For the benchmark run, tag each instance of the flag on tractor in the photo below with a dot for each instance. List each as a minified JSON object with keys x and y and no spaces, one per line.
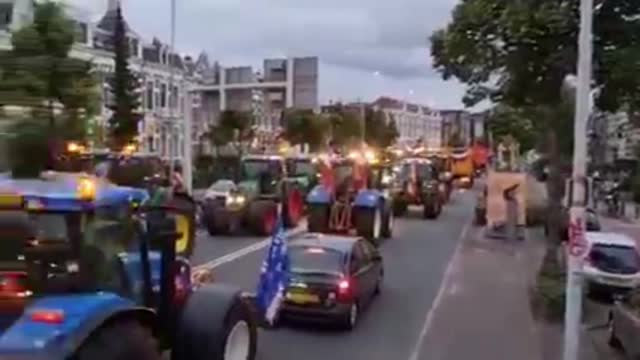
{"x":274,"y":275}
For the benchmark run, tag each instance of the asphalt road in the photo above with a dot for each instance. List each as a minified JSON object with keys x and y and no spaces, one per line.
{"x":415,"y":262}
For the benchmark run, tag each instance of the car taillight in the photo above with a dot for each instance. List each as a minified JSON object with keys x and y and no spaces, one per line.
{"x":47,"y":316}
{"x":345,"y":290}
{"x":12,"y":283}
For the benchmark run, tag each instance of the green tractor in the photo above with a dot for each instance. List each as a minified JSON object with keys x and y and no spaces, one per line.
{"x":262,"y":189}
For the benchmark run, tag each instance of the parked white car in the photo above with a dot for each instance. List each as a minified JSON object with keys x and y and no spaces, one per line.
{"x":612,"y":264}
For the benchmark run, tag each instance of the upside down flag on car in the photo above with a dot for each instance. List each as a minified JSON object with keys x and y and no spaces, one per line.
{"x":273,"y":275}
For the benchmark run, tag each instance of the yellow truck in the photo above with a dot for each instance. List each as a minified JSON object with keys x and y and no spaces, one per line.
{"x":462,"y":167}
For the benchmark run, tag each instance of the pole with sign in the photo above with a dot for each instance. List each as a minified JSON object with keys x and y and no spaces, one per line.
{"x":577,"y":246}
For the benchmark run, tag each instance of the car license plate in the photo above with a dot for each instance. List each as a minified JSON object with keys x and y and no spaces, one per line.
{"x":303,"y":298}
{"x":10,"y":200}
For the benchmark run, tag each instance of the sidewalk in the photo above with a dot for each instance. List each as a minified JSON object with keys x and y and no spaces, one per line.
{"x":484,"y":312}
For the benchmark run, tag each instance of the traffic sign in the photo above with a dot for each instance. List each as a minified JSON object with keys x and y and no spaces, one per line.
{"x":577,"y":242}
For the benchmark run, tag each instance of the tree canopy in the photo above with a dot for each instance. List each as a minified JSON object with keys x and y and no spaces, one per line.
{"x":378,"y":130}
{"x":56,"y":94}
{"x":520,"y":52}
{"x":125,"y":88}
{"x":305,"y":127}
{"x":346,"y":125}
{"x":234,"y":128}
{"x":38,"y":75}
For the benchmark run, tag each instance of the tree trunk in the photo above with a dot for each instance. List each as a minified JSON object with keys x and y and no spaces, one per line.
{"x":555,"y":189}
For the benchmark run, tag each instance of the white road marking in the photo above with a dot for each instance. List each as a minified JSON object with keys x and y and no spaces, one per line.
{"x":212,"y":264}
{"x":446,"y":279}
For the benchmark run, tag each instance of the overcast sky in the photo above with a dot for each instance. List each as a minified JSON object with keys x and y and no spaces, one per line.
{"x":366,"y":48}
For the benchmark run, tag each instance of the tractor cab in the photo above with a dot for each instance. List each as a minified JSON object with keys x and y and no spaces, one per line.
{"x":263,"y":172}
{"x":417,"y":183}
{"x":87,"y":264}
{"x":302,"y":169}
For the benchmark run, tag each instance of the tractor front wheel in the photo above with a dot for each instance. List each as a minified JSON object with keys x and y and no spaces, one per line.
{"x":121,"y":340}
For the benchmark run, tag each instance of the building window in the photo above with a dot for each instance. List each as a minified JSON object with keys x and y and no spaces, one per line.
{"x":133,"y":48}
{"x":173,"y":98}
{"x":163,"y":96}
{"x":149,"y":95}
{"x":6,"y":12}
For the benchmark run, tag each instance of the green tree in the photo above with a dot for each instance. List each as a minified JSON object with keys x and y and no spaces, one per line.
{"x":125,"y":89}
{"x":38,"y":76}
{"x":346,"y":126}
{"x":506,"y":121}
{"x":305,"y":127}
{"x":379,"y":132}
{"x":234,"y":129}
{"x":519,"y":53}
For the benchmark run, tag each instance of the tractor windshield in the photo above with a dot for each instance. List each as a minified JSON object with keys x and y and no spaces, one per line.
{"x":131,"y":171}
{"x":68,"y":251}
{"x":300,"y":167}
{"x":254,"y":169}
{"x":423,"y":171}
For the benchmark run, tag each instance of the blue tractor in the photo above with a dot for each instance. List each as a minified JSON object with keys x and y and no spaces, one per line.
{"x":98,"y":273}
{"x":351,"y":201}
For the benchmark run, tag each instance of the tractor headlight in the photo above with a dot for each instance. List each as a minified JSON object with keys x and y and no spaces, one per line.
{"x":386,"y":179}
{"x":236,"y":200}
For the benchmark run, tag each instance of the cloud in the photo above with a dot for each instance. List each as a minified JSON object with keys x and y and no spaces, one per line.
{"x":352,"y":38}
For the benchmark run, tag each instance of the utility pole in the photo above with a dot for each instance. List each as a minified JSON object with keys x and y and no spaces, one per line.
{"x":172,"y":144}
{"x":187,"y":166}
{"x":577,"y":248}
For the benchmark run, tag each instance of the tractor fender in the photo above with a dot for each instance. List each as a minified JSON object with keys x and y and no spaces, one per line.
{"x":319,"y":195}
{"x":204,"y":323}
{"x":369,"y":198}
{"x":60,"y":338}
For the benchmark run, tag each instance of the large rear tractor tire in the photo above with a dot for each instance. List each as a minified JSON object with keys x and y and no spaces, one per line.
{"x":318,"y":219}
{"x":121,"y":340}
{"x":263,"y":217}
{"x":369,"y":223}
{"x":217,"y":324}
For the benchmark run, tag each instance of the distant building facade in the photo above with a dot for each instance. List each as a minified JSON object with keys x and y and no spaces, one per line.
{"x":166,"y":77}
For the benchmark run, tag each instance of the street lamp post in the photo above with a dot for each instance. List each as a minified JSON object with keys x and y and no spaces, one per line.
{"x":172,"y":144}
{"x":577,"y":248}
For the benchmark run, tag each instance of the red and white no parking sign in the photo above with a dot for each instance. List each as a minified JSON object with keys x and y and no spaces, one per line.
{"x":577,"y":242}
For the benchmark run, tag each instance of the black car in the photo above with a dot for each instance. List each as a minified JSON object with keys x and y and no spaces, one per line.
{"x":332,"y":278}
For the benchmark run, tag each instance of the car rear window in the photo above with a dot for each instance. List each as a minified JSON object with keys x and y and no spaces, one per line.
{"x":615,"y":259}
{"x":306,"y":259}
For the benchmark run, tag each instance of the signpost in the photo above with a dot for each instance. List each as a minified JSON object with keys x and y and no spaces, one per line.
{"x":577,"y":246}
